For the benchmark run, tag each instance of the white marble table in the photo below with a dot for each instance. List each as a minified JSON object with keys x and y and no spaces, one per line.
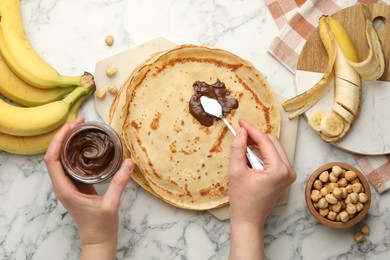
{"x":70,"y":35}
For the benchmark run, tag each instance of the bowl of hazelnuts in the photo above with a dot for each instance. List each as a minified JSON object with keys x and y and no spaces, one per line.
{"x":338,"y":195}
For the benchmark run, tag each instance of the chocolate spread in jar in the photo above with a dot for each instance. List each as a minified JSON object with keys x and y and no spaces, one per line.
{"x":91,"y":152}
{"x":216,"y":91}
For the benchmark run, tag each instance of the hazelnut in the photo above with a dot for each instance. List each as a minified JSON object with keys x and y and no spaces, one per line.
{"x":344,"y":216}
{"x":365,"y":229}
{"x":109,"y":40}
{"x":332,"y":215}
{"x":100,"y":93}
{"x":315,"y":195}
{"x":359,"y":237}
{"x":357,"y":187}
{"x":337,"y":193}
{"x":337,"y":207}
{"x":350,"y":175}
{"x":324,"y":176}
{"x":336,"y":170}
{"x":112,"y":90}
{"x":318,"y":184}
{"x":363,"y":198}
{"x":322,"y":203}
{"x":324,"y":212}
{"x":333,"y":178}
{"x":351,"y":209}
{"x":111,"y":71}
{"x":354,"y":197}
{"x":331,"y":199}
{"x":342,"y":182}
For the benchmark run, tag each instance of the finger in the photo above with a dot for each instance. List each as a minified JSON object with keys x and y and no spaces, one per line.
{"x":283,"y":156}
{"x":267,"y":149}
{"x":76,"y":122}
{"x":280,"y":149}
{"x":53,"y":152}
{"x":61,"y":181}
{"x":52,"y":156}
{"x":238,"y":160}
{"x":118,"y":184}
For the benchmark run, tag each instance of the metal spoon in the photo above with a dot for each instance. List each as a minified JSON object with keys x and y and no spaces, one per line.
{"x":214,"y":108}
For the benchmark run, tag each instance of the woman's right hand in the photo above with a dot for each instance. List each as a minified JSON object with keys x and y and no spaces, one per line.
{"x":253,"y":193}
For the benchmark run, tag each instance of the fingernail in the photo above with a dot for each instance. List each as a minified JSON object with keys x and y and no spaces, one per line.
{"x":129,"y":165}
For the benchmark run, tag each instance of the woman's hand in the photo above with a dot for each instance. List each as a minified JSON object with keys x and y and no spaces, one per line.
{"x":96,"y":216}
{"x":253,"y":193}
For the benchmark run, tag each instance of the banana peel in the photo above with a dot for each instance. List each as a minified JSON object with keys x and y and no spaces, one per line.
{"x":373,"y":66}
{"x":307,"y":99}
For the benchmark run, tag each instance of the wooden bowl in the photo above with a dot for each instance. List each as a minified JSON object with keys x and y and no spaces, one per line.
{"x":334,"y":223}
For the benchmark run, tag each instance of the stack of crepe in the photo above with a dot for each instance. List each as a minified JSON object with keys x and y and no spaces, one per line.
{"x":178,"y":159}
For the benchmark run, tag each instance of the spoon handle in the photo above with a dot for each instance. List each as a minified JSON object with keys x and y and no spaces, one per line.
{"x":253,"y":159}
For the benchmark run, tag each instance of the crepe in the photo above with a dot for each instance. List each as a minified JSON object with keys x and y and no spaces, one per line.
{"x":183,"y":162}
{"x":116,"y":120}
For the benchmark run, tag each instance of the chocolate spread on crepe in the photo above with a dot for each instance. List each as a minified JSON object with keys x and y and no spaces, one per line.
{"x":216,"y":91}
{"x":184,"y":162}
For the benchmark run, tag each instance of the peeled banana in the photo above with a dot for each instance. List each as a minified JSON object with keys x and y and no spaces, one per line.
{"x":347,"y":85}
{"x":348,"y":74}
{"x":21,"y":56}
{"x":315,"y":120}
{"x":332,"y":125}
{"x":19,"y":91}
{"x":28,"y":121}
{"x":28,"y":145}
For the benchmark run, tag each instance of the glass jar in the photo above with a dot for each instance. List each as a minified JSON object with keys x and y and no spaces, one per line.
{"x":91,"y":152}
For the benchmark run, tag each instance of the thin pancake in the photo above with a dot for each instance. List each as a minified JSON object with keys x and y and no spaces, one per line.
{"x":184,"y":162}
{"x":116,"y":121}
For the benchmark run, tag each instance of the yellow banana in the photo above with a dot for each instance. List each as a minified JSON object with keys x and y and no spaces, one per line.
{"x":347,"y":87}
{"x":19,"y":91}
{"x":28,"y":145}
{"x":21,"y":56}
{"x":373,"y":66}
{"x":343,"y":39}
{"x":307,"y":99}
{"x":28,"y":121}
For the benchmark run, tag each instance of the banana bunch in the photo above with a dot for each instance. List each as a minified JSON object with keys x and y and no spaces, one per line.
{"x":348,"y":72}
{"x":35,"y":101}
{"x":36,"y":144}
{"x":21,"y":57}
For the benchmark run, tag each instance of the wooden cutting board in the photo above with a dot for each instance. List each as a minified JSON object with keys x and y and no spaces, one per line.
{"x":369,"y":132}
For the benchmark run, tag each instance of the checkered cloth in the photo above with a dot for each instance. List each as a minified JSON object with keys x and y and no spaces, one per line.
{"x":296,"y":19}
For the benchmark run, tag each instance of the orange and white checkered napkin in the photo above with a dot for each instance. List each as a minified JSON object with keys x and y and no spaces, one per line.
{"x":296,"y":19}
{"x":377,"y":170}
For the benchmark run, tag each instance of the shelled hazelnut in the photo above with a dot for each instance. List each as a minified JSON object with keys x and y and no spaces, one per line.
{"x":360,"y":235}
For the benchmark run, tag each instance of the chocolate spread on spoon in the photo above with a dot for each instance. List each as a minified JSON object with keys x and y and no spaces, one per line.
{"x":216,"y":91}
